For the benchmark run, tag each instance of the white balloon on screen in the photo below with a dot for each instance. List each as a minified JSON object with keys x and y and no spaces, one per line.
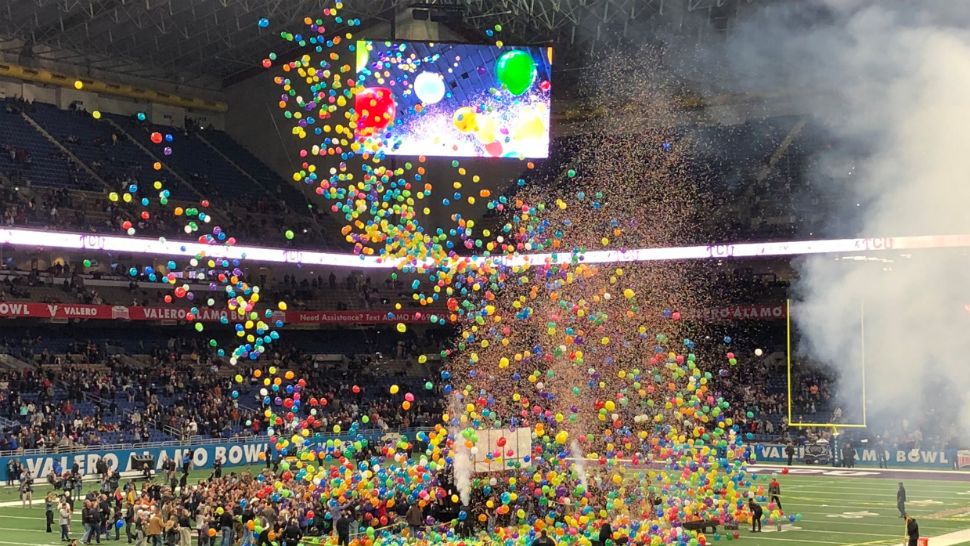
{"x":429,"y":87}
{"x":758,"y":352}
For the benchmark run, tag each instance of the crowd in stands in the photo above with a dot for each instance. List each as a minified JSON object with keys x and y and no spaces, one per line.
{"x":64,"y":283}
{"x":65,"y":402}
{"x":180,"y":389}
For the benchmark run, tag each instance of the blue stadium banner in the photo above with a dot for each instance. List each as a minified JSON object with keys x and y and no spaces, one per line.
{"x":232,"y":453}
{"x":913,"y":458}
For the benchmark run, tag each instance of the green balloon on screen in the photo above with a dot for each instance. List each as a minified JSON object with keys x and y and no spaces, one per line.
{"x":516,"y":71}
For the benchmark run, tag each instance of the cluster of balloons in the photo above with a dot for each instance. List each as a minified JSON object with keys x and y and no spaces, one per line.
{"x":230,"y":295}
{"x":625,"y":424}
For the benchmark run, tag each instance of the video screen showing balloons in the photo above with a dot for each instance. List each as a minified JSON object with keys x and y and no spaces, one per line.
{"x":453,"y":100}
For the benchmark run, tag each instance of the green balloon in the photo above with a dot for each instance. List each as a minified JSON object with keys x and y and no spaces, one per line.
{"x":516,"y":71}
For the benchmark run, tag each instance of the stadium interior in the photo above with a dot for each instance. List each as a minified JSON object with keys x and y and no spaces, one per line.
{"x":113,"y":351}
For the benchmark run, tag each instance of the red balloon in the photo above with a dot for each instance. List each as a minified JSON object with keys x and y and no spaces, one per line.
{"x":494,"y":149}
{"x":156,"y":137}
{"x":375,"y":109}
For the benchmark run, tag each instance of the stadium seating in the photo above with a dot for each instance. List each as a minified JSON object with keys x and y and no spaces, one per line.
{"x":95,"y":143}
{"x":212,"y":164}
{"x":207,"y":172}
{"x":44,"y":164}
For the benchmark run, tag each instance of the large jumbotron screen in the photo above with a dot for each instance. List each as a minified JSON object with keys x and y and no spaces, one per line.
{"x":454,"y":100}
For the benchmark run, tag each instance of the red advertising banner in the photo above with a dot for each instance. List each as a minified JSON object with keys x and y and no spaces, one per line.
{"x":66,"y":311}
{"x":777,"y":311}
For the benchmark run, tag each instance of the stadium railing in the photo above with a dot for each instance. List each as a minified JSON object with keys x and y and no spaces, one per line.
{"x":111,"y":447}
{"x":199,"y":441}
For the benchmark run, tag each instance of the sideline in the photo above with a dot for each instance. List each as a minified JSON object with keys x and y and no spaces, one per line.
{"x":869,"y":468}
{"x":949,"y":539}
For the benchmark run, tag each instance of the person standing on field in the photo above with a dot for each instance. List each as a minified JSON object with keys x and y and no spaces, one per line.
{"x":912,"y":531}
{"x":774,"y":489}
{"x":65,"y":521}
{"x":901,"y":500}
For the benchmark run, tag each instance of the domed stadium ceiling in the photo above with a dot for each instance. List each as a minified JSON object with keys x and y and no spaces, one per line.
{"x":214,"y":43}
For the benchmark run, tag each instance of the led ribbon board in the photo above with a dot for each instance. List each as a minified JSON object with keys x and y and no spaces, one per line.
{"x":164,"y":247}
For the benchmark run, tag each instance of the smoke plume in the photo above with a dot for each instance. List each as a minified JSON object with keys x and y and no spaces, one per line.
{"x":889,"y":81}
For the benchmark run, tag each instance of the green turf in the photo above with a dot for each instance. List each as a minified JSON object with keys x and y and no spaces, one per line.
{"x":844,"y":511}
{"x":835,"y":511}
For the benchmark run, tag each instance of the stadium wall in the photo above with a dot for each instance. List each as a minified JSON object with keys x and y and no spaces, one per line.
{"x":895,"y":458}
{"x":161,"y":114}
{"x":239,"y":453}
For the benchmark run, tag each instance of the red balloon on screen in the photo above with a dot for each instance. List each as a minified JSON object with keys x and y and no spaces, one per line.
{"x":494,"y":149}
{"x":375,"y":109}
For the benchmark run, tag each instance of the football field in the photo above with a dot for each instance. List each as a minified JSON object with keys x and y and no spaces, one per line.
{"x":837,"y":507}
{"x":858,"y":507}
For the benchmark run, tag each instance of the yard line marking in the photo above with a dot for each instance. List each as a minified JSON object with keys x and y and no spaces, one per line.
{"x":774,"y":538}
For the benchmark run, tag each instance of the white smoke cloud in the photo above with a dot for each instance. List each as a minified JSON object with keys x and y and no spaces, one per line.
{"x":891,"y":81}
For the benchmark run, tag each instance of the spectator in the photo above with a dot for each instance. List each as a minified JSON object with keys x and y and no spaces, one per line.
{"x":26,"y":489}
{"x":65,"y":513}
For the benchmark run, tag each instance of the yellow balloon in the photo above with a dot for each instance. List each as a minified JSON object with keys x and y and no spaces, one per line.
{"x":532,"y":125}
{"x":466,"y":120}
{"x":487,"y":131}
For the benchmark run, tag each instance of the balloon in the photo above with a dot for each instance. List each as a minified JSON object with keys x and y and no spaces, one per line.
{"x":466,"y":120}
{"x":532,"y":125}
{"x":486,"y":130}
{"x":263,"y":23}
{"x":375,"y":108}
{"x":363,"y":56}
{"x":429,"y":87}
{"x":494,"y":149}
{"x":156,"y":138}
{"x":516,"y":71}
